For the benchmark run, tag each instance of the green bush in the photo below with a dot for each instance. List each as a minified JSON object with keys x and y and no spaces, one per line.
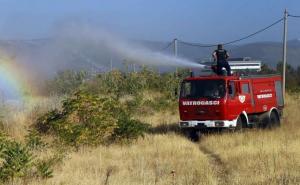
{"x":34,"y":140}
{"x":90,"y":120}
{"x":43,"y":122}
{"x":3,"y":142}
{"x":129,"y":129}
{"x":95,"y":117}
{"x":65,"y":82}
{"x":118,"y":84}
{"x":133,"y":84}
{"x":84,"y":119}
{"x":44,"y":168}
{"x":133,"y":104}
{"x":17,"y":161}
{"x":160,"y":104}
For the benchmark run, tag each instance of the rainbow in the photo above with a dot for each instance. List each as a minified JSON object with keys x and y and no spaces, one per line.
{"x":13,"y":82}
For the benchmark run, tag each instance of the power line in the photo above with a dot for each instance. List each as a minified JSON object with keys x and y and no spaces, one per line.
{"x":257,"y":32}
{"x":236,"y":40}
{"x":197,"y":44}
{"x":295,"y":16}
{"x":167,"y":46}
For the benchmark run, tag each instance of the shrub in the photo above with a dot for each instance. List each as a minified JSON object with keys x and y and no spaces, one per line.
{"x":129,"y":129}
{"x":44,"y":168}
{"x":17,"y":161}
{"x":3,"y":142}
{"x":90,"y":120}
{"x":84,"y":119}
{"x":65,"y":82}
{"x":118,"y":84}
{"x":34,"y":141}
{"x":133,"y":104}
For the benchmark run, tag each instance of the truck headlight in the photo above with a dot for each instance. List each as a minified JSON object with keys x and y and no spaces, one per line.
{"x":184,"y":124}
{"x":219,"y":123}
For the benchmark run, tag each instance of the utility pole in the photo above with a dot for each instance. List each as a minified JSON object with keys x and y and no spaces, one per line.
{"x":134,"y":67}
{"x":111,"y":64}
{"x":284,"y":52}
{"x":175,"y":47}
{"x":175,"y":52}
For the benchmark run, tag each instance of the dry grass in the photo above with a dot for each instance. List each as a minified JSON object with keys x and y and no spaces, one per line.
{"x":16,"y":118}
{"x":260,"y":156}
{"x":155,"y":159}
{"x":160,"y":118}
{"x":163,"y":118}
{"x":252,"y":157}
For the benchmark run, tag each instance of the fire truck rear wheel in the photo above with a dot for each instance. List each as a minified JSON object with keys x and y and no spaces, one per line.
{"x":274,"y":120}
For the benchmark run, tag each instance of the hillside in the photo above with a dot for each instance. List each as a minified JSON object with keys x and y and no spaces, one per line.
{"x":64,"y":55}
{"x":268,"y":52}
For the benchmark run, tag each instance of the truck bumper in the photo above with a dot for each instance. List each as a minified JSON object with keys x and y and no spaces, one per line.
{"x":208,"y":124}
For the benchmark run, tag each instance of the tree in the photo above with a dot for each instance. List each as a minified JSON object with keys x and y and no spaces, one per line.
{"x":265,"y":69}
{"x":291,"y":78}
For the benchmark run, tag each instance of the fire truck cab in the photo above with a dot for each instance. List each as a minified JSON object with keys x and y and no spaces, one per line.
{"x":237,"y":102}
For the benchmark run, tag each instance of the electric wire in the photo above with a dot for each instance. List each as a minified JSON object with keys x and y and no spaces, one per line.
{"x":236,"y":40}
{"x":197,"y":44}
{"x":294,"y":16}
{"x":167,"y":46}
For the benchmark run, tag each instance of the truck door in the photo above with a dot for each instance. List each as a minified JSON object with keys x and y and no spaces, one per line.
{"x":233,"y":102}
{"x":246,"y":96}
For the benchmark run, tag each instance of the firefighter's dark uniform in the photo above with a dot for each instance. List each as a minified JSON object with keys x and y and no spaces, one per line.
{"x":221,"y":57}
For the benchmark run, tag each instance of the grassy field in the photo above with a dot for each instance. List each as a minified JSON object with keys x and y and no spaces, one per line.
{"x":260,"y":156}
{"x":166,"y":157}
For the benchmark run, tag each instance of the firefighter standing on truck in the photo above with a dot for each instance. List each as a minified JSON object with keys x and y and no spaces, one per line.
{"x":220,"y":55}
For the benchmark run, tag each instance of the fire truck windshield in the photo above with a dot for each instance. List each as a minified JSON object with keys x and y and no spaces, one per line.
{"x":203,"y":89}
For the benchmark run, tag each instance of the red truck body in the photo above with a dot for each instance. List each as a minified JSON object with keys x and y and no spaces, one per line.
{"x":230,"y":101}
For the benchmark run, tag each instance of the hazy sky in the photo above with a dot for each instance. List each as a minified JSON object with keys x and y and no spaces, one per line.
{"x":206,"y":21}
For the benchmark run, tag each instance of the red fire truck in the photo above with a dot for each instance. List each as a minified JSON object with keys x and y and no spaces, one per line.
{"x":237,"y":102}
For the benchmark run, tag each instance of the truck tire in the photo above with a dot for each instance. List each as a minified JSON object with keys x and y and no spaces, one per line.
{"x":192,"y":134}
{"x":269,"y":121}
{"x":274,"y":120}
{"x":240,"y":124}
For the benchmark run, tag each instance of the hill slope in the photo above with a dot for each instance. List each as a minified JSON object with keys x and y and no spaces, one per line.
{"x":99,"y":57}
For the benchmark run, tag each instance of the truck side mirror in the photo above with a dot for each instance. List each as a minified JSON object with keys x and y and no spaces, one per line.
{"x":230,"y":91}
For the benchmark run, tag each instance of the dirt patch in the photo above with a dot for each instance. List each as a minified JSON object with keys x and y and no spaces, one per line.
{"x":218,"y":165}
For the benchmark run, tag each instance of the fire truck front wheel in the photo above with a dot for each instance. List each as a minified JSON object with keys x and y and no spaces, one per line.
{"x":192,"y":134}
{"x":241,"y":123}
